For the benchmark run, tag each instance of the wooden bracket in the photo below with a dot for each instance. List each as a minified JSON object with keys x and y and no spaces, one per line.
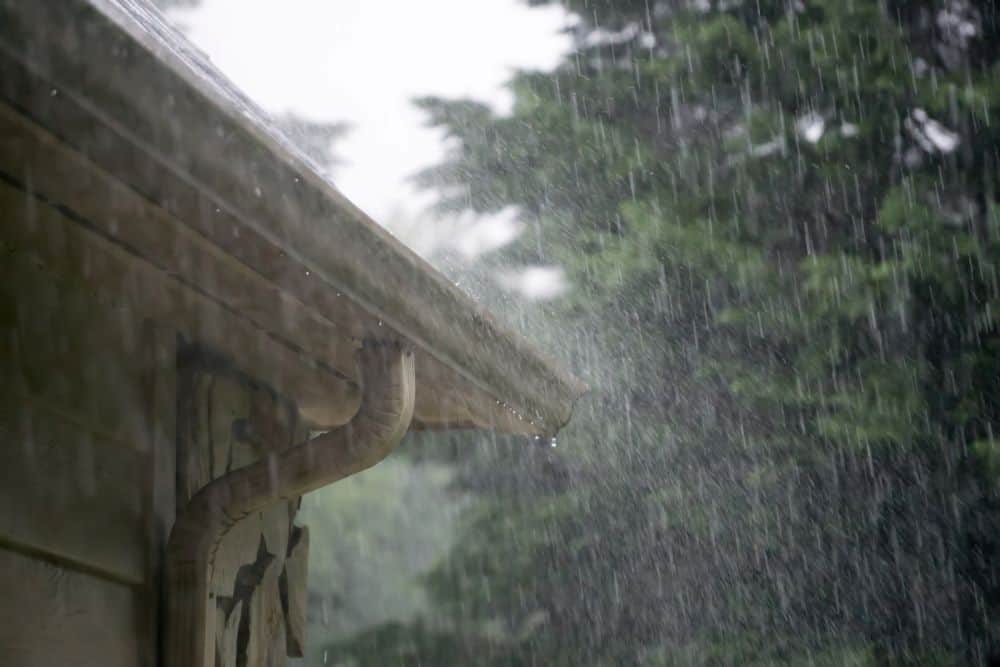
{"x":197,"y":540}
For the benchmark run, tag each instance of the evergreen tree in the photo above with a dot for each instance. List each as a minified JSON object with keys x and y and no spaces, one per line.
{"x":781,"y":226}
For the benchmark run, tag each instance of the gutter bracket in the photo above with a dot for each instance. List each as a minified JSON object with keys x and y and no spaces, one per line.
{"x":383,"y":418}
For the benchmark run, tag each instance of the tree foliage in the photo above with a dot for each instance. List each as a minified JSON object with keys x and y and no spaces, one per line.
{"x":781,"y":225}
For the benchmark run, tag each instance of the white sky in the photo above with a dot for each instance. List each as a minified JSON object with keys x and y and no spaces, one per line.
{"x":362,"y":61}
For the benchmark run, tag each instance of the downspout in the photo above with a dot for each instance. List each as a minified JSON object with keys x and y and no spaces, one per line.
{"x":387,"y":397}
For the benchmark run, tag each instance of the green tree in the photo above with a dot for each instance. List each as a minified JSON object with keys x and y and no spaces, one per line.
{"x":781,"y":226}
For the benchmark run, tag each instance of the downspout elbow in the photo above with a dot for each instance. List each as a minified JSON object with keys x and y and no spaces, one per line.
{"x":387,"y":400}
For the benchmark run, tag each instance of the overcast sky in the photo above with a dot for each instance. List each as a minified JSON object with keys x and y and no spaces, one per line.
{"x":362,"y":61}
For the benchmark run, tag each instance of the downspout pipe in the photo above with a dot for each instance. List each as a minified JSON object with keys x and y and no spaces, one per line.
{"x":387,"y":398}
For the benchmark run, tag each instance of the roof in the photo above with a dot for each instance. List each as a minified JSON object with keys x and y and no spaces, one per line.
{"x":241,"y":218}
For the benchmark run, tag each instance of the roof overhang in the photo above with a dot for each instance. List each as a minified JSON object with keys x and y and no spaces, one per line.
{"x":224,"y":209}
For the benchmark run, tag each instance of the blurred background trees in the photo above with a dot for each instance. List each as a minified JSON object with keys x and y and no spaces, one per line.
{"x":780,"y":228}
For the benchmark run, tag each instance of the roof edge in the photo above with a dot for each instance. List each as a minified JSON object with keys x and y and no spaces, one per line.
{"x":140,"y":78}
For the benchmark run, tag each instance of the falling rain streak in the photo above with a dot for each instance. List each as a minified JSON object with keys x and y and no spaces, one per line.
{"x":767,"y":234}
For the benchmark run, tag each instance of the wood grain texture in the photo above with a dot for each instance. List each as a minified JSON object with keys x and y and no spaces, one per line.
{"x":72,"y":494}
{"x":158,"y":360}
{"x":295,"y":595}
{"x":55,"y":616}
{"x":267,"y":645}
{"x":228,"y":630}
{"x":197,"y":291}
{"x":230,"y":421}
{"x":381,"y":422}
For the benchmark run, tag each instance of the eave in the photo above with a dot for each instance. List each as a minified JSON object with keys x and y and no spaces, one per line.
{"x":237,"y":216}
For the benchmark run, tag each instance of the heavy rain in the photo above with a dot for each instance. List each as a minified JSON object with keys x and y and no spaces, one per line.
{"x":763,"y":234}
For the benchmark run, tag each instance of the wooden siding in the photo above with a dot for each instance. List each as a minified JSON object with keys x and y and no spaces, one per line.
{"x":54,"y":615}
{"x":88,"y":463}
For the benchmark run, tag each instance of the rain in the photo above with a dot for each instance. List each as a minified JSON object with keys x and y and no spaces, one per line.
{"x":765,"y":234}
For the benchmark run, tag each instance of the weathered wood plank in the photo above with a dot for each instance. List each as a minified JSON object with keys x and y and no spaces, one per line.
{"x":55,"y":616}
{"x":276,"y":528}
{"x":70,"y":493}
{"x":63,"y":176}
{"x":65,"y":347}
{"x":227,"y":630}
{"x":231,"y":421}
{"x":158,"y":358}
{"x":295,"y":591}
{"x":213,"y":402}
{"x":266,"y":646}
{"x":237,"y":548}
{"x":113,"y":275}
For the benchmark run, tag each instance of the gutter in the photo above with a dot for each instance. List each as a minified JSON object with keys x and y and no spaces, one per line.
{"x":138,"y":101}
{"x":387,"y":399}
